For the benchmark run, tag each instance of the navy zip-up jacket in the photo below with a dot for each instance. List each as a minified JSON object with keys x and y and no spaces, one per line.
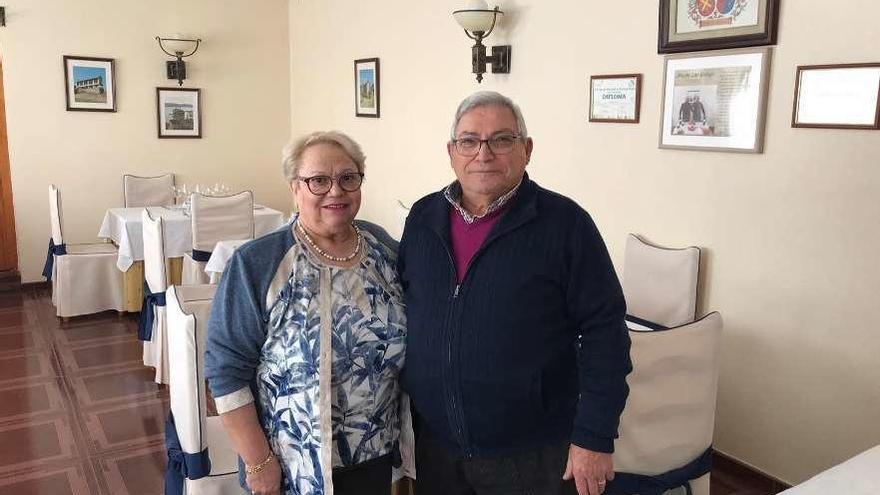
{"x":531,"y":347}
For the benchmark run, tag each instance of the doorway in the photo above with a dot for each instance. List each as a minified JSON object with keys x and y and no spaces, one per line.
{"x":8,"y":250}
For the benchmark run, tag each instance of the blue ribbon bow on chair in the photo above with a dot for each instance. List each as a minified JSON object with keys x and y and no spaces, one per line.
{"x":201,"y":255}
{"x":629,"y":483}
{"x":180,"y":464}
{"x":148,"y":312}
{"x":59,"y":250}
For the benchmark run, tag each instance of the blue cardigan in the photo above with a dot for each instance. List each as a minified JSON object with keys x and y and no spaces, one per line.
{"x":531,"y":348}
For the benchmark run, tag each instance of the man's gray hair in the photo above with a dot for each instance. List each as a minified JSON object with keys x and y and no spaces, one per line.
{"x":489,"y":98}
{"x":291,"y":156}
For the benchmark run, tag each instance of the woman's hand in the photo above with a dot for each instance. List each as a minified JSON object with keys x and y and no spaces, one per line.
{"x":267,"y":481}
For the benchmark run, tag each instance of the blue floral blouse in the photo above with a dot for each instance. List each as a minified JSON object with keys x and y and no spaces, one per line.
{"x":319,"y":347}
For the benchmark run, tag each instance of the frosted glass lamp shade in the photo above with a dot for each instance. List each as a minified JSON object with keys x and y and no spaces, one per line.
{"x":179,"y":43}
{"x":476,"y":16}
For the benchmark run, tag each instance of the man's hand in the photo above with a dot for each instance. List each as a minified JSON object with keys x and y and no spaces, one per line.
{"x":589,"y":469}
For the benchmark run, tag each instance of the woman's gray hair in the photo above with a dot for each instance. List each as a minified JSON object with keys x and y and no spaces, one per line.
{"x":291,"y":156}
{"x":489,"y":98}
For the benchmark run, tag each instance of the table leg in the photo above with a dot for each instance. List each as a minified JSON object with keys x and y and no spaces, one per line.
{"x":133,"y":282}
{"x":174,"y":269}
{"x":133,"y":287}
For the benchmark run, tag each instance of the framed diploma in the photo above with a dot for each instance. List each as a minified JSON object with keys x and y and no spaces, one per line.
{"x":715,"y":101}
{"x":845,"y":96}
{"x":615,"y":98}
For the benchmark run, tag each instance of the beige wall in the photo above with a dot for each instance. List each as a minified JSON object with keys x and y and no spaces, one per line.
{"x":791,"y":234}
{"x":241,"y":68}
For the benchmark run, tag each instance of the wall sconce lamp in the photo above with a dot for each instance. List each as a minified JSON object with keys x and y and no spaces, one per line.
{"x":179,"y":48}
{"x":478,"y":21}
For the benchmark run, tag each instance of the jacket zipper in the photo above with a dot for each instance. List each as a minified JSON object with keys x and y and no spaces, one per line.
{"x":455,"y":422}
{"x":456,"y":419}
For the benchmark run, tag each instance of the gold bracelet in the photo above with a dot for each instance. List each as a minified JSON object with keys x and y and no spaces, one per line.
{"x":259,"y":467}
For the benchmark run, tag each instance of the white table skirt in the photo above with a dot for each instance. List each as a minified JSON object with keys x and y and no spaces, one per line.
{"x":859,"y":475}
{"x":220,"y":257}
{"x":124,"y":227}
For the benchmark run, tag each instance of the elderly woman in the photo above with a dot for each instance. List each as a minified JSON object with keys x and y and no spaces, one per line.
{"x":306,"y":338}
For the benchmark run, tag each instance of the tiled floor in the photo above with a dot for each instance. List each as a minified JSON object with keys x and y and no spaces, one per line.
{"x":79,"y":413}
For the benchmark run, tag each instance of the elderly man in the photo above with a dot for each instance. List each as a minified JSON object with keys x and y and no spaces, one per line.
{"x":517,"y":351}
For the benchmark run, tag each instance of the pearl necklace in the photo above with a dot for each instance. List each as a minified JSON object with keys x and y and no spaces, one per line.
{"x":338,"y":259}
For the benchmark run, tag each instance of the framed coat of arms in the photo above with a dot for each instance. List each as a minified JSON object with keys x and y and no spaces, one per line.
{"x":697,"y":25}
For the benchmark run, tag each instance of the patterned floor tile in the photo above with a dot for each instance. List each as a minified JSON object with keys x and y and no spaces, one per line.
{"x":125,"y":427}
{"x":140,"y":472}
{"x":34,"y":444}
{"x":100,"y":357}
{"x":30,"y":401}
{"x":32,"y":366}
{"x":134,"y":384}
{"x":16,"y":319}
{"x":93,"y":333}
{"x":19,"y":342}
{"x":69,"y":481}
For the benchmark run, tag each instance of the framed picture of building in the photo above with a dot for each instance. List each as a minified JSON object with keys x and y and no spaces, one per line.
{"x":179,"y":112}
{"x":366,"y":87}
{"x":89,"y":84}
{"x":715,"y":101}
{"x":697,"y":25}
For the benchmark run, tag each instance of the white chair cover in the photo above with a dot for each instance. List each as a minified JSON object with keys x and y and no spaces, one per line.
{"x":55,"y":214}
{"x":156,"y":277}
{"x":85,"y":280}
{"x":669,"y":418}
{"x":216,"y":218}
{"x":660,"y":284}
{"x":148,"y":191}
{"x":188,"y":308}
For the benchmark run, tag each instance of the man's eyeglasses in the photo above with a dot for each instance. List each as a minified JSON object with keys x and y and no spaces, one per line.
{"x":320,"y":185}
{"x":499,"y":145}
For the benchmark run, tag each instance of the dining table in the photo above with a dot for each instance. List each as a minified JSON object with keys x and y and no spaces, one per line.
{"x":859,"y":475}
{"x":220,"y":256}
{"x":124,"y":226}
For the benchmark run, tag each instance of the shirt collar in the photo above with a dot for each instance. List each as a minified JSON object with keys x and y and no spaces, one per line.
{"x":453,"y":195}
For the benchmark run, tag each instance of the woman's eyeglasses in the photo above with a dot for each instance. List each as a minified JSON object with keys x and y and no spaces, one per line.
{"x":320,"y":185}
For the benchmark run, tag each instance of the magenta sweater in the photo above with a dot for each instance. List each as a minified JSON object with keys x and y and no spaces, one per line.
{"x":467,"y":238}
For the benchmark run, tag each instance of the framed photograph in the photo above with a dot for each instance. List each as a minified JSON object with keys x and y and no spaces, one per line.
{"x":715,"y":101}
{"x":615,"y":98}
{"x":89,"y":84}
{"x":366,"y":87}
{"x":179,"y":112}
{"x":697,"y":25}
{"x":844,"y":96}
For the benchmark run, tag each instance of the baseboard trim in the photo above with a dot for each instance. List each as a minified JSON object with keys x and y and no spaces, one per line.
{"x":36,"y":285}
{"x":728,"y":463}
{"x":10,"y":281}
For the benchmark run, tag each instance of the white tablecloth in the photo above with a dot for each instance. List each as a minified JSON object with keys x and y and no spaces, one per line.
{"x":124,"y":227}
{"x":857,"y":476}
{"x":220,"y":257}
